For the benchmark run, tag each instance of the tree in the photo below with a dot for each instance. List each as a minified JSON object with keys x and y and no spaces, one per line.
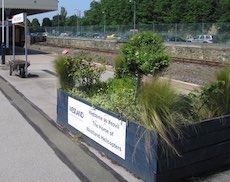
{"x":72,"y":20}
{"x":145,"y":12}
{"x":35,"y":23}
{"x":120,"y":12}
{"x":63,"y":15}
{"x":95,"y":15}
{"x":223,"y":13}
{"x":28,"y":23}
{"x":55,"y":21}
{"x":46,"y":22}
{"x":177,"y":11}
{"x":142,"y":55}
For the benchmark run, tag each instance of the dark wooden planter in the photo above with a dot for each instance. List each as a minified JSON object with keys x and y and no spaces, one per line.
{"x":204,"y":147}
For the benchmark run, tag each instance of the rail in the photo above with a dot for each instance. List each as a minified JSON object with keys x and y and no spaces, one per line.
{"x":175,"y":59}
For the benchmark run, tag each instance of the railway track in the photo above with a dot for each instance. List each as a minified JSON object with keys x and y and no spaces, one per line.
{"x":175,"y":59}
{"x":198,"y":61}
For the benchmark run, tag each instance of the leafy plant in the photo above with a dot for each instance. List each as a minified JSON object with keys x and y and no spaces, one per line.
{"x":62,"y":65}
{"x":216,"y":95}
{"x":212,"y":99}
{"x":121,"y":92}
{"x":143,"y":54}
{"x":84,"y":71}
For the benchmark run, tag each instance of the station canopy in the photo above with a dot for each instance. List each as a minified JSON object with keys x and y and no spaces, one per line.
{"x":31,"y":7}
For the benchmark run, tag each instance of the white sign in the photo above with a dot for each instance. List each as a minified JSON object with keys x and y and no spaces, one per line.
{"x":104,"y":129}
{"x":19,"y":18}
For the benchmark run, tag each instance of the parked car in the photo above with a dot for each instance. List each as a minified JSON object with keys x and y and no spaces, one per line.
{"x":112,"y":36}
{"x":99,"y":36}
{"x":189,"y":38}
{"x":66,"y":34}
{"x":173,"y":38}
{"x":122,"y":37}
{"x":38,"y":37}
{"x":204,"y":39}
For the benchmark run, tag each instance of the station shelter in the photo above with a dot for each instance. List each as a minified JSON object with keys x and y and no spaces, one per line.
{"x":14,"y":7}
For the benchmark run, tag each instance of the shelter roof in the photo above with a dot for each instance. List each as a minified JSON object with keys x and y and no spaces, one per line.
{"x":30,"y":7}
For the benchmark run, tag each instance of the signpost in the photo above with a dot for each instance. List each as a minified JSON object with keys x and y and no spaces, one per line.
{"x":3,"y":32}
{"x":21,"y":18}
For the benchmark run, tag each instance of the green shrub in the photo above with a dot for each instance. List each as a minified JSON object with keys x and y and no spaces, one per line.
{"x":121,"y":92}
{"x":84,"y":72}
{"x":116,"y":94}
{"x":216,"y":95}
{"x":62,"y":65}
{"x":78,"y":71}
{"x":143,"y":54}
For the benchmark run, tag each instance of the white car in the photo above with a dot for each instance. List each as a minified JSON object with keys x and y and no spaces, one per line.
{"x":204,"y":39}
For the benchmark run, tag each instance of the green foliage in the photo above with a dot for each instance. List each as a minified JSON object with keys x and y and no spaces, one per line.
{"x":78,"y":71}
{"x":120,"y":12}
{"x":161,"y":105}
{"x":144,"y":54}
{"x":55,"y":21}
{"x":213,"y":99}
{"x":62,"y":65}
{"x":84,"y":72}
{"x":116,"y":94}
{"x":216,"y":95}
{"x":121,"y":92}
{"x":120,"y":67}
{"x":35,"y":23}
{"x":46,"y":22}
{"x":163,"y":109}
{"x":72,"y":20}
{"x":60,"y":18}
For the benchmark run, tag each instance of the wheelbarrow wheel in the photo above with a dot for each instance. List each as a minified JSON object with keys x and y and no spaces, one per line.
{"x":22,"y":72}
{"x":11,"y":70}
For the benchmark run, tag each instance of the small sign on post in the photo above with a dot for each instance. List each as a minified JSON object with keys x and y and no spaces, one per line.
{"x":21,"y":18}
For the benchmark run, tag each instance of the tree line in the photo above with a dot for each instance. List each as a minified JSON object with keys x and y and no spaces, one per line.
{"x":121,"y":12}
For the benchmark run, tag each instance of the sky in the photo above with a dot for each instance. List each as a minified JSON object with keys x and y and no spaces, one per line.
{"x":72,"y":7}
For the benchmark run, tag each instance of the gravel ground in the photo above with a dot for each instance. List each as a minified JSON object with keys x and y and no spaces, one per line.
{"x":187,"y":72}
{"x":192,"y":73}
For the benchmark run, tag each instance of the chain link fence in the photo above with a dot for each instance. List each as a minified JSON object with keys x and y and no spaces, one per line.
{"x":170,"y":32}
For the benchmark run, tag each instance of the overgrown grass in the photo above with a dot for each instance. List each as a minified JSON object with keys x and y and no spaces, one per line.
{"x":163,"y":109}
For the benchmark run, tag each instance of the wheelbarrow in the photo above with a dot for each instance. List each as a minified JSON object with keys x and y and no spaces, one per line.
{"x":19,"y":66}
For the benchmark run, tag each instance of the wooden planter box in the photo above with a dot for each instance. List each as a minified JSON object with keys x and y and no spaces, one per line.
{"x":204,"y":147}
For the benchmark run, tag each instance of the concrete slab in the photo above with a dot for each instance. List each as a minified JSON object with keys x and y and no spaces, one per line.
{"x":24,"y":155}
